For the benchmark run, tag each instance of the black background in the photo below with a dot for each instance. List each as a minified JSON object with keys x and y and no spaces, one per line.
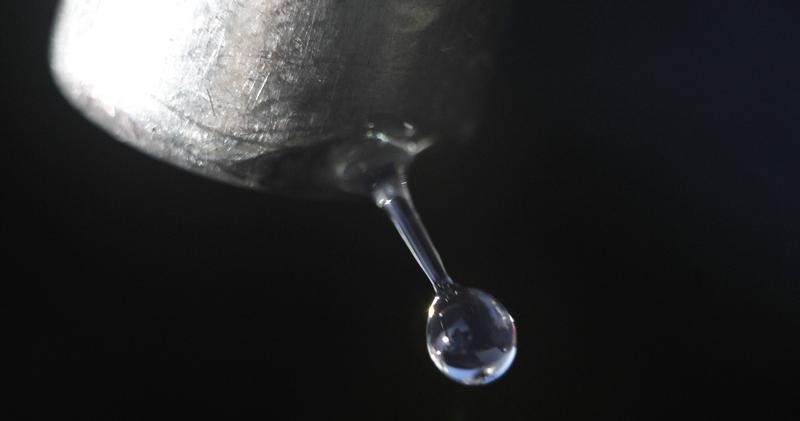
{"x":632,"y":198}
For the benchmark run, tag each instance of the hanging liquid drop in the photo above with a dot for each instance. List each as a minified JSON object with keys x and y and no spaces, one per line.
{"x":471,"y":337}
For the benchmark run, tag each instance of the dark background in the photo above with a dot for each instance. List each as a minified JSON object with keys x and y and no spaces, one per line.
{"x":632,"y":198}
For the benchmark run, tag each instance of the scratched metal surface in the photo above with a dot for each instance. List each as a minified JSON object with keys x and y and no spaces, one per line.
{"x":251,"y":92}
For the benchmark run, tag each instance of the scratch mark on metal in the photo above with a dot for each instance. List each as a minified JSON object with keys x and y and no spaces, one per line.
{"x":211,"y":102}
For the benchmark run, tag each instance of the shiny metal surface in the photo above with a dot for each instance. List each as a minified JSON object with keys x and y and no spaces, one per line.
{"x":255,"y":92}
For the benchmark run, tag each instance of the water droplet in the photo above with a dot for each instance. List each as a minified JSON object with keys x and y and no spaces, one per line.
{"x":471,"y":337}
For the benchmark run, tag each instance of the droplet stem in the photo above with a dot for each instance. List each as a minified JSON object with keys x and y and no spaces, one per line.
{"x":392,"y":195}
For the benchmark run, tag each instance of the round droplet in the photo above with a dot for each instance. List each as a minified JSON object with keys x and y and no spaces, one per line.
{"x":471,"y":337}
